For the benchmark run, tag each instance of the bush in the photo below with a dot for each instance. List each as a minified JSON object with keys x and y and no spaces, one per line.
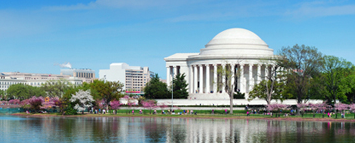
{"x":70,"y":110}
{"x":239,"y":95}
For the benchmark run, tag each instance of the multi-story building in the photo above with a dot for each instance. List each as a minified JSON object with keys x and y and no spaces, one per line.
{"x":86,"y":74}
{"x":134,"y":77}
{"x":9,"y":78}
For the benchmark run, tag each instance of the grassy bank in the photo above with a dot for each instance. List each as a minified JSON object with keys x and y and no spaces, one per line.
{"x":306,"y":117}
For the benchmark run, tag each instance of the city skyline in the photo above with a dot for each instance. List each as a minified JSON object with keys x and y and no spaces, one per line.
{"x":36,"y":35}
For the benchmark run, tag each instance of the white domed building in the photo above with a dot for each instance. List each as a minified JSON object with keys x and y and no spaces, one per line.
{"x":236,"y":48}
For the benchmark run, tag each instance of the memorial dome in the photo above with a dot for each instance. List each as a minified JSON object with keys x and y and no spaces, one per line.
{"x":236,"y":41}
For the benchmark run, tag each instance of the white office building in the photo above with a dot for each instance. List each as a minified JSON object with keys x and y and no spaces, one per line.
{"x":134,"y":78}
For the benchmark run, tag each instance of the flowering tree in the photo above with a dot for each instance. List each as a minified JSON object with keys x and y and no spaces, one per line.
{"x":100,"y":103}
{"x":36,"y":102}
{"x":83,"y":100}
{"x":276,"y":107}
{"x":341,"y":107}
{"x":14,"y":101}
{"x":50,"y":102}
{"x":25,"y":103}
{"x":115,"y":104}
{"x":130,"y":101}
{"x":352,"y":108}
{"x":149,"y":104}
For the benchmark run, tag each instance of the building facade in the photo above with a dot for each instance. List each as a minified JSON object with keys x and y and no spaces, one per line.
{"x":134,"y":77}
{"x":9,"y":78}
{"x":237,"y":49}
{"x":87,"y":75}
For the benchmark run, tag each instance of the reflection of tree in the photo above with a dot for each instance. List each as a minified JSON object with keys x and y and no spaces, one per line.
{"x":155,"y":131}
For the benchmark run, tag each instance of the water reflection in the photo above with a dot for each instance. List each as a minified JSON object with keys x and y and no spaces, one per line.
{"x":111,"y":129}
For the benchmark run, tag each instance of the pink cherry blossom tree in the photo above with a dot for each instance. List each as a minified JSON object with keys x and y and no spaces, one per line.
{"x":36,"y":103}
{"x":51,"y":103}
{"x":130,"y":101}
{"x":149,"y":104}
{"x":25,"y":104}
{"x":276,"y":107}
{"x":352,"y":108}
{"x":100,"y":103}
{"x":341,"y":107}
{"x":115,"y":104}
{"x":15,"y":101}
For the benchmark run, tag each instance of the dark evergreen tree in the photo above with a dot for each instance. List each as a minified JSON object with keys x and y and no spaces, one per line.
{"x":156,"y":89}
{"x":180,"y":87}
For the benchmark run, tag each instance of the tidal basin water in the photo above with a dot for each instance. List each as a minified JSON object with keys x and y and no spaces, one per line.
{"x":137,"y":129}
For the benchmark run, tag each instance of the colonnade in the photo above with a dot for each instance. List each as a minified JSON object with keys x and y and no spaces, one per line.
{"x":204,"y":78}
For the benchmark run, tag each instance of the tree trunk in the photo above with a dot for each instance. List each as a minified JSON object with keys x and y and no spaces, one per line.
{"x":231,"y":102}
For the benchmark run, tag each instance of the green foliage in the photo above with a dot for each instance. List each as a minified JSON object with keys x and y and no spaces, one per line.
{"x":23,"y":91}
{"x":56,"y":88}
{"x":156,"y":89}
{"x":106,"y":91}
{"x":302,"y":63}
{"x":336,"y":78}
{"x":260,"y":91}
{"x":239,"y":95}
{"x":70,"y":110}
{"x":180,"y":87}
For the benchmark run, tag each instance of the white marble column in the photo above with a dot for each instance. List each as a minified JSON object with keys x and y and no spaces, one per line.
{"x":223,"y":78}
{"x":266,"y":71}
{"x":242,"y":81}
{"x":195,"y":78}
{"x":215,"y":82}
{"x":250,"y":77}
{"x":191,"y":76}
{"x":201,"y":79}
{"x":258,"y":74}
{"x":232,"y":74}
{"x":168,"y":76}
{"x":175,"y":71}
{"x":208,"y":78}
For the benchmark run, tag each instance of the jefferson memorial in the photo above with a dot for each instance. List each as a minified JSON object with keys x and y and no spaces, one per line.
{"x":235,"y":48}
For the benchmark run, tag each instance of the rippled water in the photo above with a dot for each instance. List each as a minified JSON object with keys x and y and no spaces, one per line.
{"x":136,"y":129}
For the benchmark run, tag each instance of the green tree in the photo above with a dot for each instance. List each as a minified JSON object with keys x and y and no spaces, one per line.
{"x":156,"y":89}
{"x":302,"y":63}
{"x":2,"y":95}
{"x":180,"y":87}
{"x":107,"y":91}
{"x":56,"y":88}
{"x":23,"y":91}
{"x":336,"y":76}
{"x":268,"y":90}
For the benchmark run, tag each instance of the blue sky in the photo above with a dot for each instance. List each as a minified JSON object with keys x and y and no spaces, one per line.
{"x":35,"y":35}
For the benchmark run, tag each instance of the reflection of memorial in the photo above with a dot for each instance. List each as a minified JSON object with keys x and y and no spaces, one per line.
{"x":140,"y":129}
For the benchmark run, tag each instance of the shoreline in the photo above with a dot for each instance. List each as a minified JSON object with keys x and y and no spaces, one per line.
{"x":188,"y":117}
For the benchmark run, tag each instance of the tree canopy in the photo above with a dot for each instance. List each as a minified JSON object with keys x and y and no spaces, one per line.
{"x":56,"y":88}
{"x":23,"y":91}
{"x":335,"y":78}
{"x":156,"y":89}
{"x":302,"y":63}
{"x":180,"y":87}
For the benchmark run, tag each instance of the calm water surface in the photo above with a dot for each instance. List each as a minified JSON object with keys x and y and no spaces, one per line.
{"x":136,"y":129}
